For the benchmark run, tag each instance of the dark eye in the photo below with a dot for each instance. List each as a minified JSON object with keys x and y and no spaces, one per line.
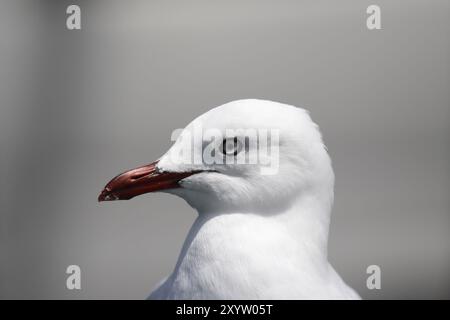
{"x":231,"y":146}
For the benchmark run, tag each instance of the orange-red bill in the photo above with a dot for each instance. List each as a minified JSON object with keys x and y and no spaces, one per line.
{"x":141,"y":180}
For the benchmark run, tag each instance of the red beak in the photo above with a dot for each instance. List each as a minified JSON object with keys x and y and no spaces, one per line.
{"x":141,"y":180}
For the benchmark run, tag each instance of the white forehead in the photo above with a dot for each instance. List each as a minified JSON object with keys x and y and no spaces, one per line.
{"x":255,"y":114}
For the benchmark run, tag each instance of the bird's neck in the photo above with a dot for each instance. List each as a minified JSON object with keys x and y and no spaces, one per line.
{"x":307,"y":222}
{"x":244,"y":245}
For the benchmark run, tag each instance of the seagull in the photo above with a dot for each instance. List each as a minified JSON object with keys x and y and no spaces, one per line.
{"x":261,"y":230}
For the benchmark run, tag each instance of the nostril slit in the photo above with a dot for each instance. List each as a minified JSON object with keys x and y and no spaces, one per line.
{"x":137,"y":176}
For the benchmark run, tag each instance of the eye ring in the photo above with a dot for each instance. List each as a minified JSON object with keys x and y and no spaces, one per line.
{"x":231,"y":146}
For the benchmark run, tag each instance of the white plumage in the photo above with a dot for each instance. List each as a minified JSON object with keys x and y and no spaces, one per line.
{"x":257,"y":236}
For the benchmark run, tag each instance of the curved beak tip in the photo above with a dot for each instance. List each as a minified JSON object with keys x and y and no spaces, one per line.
{"x":106,"y":195}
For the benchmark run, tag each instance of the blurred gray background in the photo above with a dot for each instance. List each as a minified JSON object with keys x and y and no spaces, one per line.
{"x":78,"y":107}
